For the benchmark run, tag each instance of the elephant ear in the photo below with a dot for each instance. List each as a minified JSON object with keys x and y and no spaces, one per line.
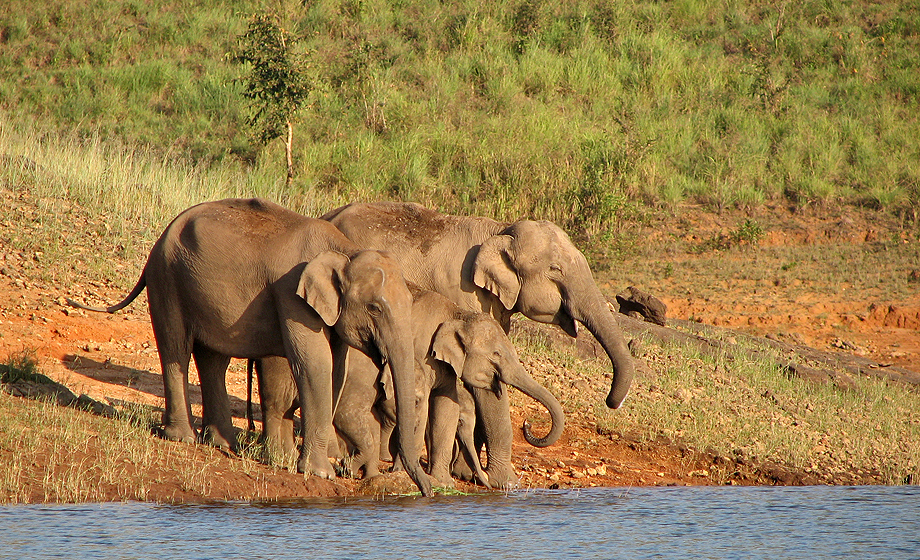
{"x":321,"y":284}
{"x":447,"y":346}
{"x":492,"y":270}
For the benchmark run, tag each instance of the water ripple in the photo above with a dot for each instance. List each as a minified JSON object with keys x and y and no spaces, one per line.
{"x":812,"y":523}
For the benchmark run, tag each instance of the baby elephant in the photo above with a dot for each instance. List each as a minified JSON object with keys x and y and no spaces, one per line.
{"x":454,"y":349}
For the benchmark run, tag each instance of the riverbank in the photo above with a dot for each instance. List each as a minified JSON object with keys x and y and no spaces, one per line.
{"x":733,"y":415}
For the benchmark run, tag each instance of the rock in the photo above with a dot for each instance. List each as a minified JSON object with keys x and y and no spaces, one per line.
{"x":635,"y":348}
{"x":636,"y":302}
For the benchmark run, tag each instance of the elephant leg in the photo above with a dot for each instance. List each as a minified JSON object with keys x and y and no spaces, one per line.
{"x":387,"y":425}
{"x":445,"y":413}
{"x":174,"y":347}
{"x":217,"y":426}
{"x":466,"y":435}
{"x":493,"y":426}
{"x":309,"y":353}
{"x":278,"y":400}
{"x":354,"y":417}
{"x":362,"y":431}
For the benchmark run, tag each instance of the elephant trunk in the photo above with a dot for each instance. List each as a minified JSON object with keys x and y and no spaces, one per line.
{"x":402,"y":365}
{"x":529,"y":386}
{"x":592,"y":311}
{"x":494,"y":412}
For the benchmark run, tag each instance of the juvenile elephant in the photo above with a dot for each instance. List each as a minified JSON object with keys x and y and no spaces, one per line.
{"x":526,"y":267}
{"x":454,"y":349}
{"x":247,"y":278}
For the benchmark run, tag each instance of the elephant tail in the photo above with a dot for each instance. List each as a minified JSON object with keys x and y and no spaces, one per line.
{"x":138,"y":288}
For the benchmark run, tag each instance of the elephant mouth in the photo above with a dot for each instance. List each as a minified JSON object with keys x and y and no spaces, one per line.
{"x":374,"y":353}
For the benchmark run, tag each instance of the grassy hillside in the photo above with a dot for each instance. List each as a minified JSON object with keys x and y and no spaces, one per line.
{"x":574,"y":111}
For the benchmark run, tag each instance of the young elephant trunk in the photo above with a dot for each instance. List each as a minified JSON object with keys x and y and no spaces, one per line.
{"x":529,"y":386}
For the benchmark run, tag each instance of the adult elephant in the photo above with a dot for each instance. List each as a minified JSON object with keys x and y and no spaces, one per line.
{"x":528,"y":267}
{"x":247,"y":278}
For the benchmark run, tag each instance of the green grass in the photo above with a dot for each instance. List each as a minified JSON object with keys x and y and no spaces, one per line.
{"x":745,"y":408}
{"x":19,"y":367}
{"x":559,"y":110}
{"x":51,"y":453}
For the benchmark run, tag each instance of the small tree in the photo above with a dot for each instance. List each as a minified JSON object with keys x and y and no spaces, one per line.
{"x":277,"y":83}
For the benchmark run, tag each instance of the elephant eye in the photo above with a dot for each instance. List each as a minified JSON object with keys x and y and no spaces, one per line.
{"x":555,"y":268}
{"x":374,"y":309}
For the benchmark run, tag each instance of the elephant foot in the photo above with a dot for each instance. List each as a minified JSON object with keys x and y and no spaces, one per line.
{"x":278,"y":458}
{"x":310,"y":468}
{"x":213,"y":437}
{"x":503,"y":478}
{"x":461,"y":470}
{"x":444,"y":480}
{"x":351,"y":467}
{"x":183,"y":433}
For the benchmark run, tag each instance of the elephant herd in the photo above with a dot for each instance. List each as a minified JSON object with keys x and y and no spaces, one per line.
{"x":373,"y":319}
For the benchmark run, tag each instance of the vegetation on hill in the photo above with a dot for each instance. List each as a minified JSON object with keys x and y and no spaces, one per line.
{"x":573,"y":111}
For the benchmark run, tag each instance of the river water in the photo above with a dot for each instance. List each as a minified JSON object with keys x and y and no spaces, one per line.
{"x":812,"y":523}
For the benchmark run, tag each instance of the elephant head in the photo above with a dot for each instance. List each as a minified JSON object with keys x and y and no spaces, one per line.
{"x":366,"y":301}
{"x":535,"y":269}
{"x":479,"y":351}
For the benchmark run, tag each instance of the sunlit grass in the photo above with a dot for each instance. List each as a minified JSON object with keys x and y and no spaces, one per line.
{"x":487,"y":108}
{"x":746,"y":407}
{"x":50,"y":453}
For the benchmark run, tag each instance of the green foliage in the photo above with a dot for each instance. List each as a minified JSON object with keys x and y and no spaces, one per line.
{"x":748,"y":232}
{"x":20,"y":366}
{"x":277,"y":83}
{"x":556,"y":110}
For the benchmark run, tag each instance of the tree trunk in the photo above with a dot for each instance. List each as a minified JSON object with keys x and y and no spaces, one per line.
{"x":288,"y":153}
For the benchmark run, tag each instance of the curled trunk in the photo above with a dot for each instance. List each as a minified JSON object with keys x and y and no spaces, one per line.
{"x":525,"y":383}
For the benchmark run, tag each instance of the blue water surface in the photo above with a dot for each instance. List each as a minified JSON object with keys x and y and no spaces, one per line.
{"x":812,"y":523}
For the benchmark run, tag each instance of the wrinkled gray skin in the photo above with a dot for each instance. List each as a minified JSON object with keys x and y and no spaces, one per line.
{"x":247,"y":278}
{"x":499,"y":268}
{"x":453,"y":347}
